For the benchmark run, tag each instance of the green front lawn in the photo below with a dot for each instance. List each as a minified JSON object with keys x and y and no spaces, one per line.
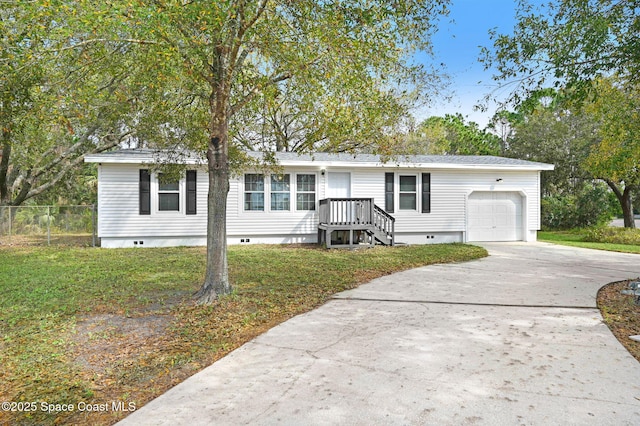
{"x":117,"y":327}
{"x":610,"y":239}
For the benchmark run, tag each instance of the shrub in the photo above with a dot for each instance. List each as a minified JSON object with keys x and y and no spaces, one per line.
{"x":628,"y":236}
{"x":591,"y":205}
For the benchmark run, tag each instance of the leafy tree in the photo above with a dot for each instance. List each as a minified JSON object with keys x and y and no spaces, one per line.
{"x":293,"y":121}
{"x":203,"y":64}
{"x":572,"y":44}
{"x":551,"y":134}
{"x":451,"y":135}
{"x":616,"y":157}
{"x":593,"y":139}
{"x":567,"y":43}
{"x":52,"y":111}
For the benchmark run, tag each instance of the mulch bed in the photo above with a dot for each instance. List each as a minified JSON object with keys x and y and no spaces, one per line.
{"x":621,"y":314}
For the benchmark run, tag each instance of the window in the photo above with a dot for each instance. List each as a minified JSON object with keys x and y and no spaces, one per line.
{"x":280,"y":192}
{"x":408,"y":193}
{"x":168,"y":194}
{"x":305,"y":192}
{"x":253,"y":192}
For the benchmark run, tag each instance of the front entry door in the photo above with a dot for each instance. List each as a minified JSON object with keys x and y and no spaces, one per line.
{"x":338,"y":185}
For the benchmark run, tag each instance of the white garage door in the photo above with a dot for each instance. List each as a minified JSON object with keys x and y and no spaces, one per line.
{"x":495,"y":216}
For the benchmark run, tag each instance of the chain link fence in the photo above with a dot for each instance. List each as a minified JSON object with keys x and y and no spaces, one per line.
{"x":48,"y":225}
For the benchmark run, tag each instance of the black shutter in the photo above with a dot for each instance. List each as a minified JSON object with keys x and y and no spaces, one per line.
{"x":145,"y":192}
{"x":191,"y":191}
{"x":388,"y":192}
{"x":426,"y":193}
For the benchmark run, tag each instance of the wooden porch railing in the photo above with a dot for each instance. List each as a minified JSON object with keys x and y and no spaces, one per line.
{"x":356,"y":214}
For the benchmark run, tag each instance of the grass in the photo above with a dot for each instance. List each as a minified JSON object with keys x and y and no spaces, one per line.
{"x":115,"y":328}
{"x":610,"y":239}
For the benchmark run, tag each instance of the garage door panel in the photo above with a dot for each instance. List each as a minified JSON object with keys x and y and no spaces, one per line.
{"x":495,"y":216}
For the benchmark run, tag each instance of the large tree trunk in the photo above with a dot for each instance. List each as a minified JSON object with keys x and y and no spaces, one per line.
{"x":626,"y":202}
{"x":216,"y":280}
{"x":5,"y":153}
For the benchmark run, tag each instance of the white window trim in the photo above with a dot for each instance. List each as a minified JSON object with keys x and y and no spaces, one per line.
{"x":270,"y":191}
{"x":266,"y":201}
{"x":293,"y":192}
{"x":417,"y":192}
{"x":296,"y":192}
{"x":155,"y":197}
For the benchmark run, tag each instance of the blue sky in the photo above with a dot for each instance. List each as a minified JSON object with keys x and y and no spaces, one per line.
{"x":457,"y":45}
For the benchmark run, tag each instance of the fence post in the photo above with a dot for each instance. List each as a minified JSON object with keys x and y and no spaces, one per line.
{"x":93,"y":225}
{"x":10,"y":222}
{"x":48,"y":225}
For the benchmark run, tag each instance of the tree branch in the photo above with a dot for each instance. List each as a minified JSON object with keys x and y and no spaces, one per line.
{"x":32,"y":192}
{"x":257,"y":89}
{"x":103,"y":40}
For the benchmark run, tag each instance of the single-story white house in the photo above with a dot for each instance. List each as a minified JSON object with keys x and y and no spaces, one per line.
{"x":329,"y":198}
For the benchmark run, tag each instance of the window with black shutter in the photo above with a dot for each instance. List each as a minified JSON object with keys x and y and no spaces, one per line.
{"x":426,"y":193}
{"x":191,"y":191}
{"x":145,"y":192}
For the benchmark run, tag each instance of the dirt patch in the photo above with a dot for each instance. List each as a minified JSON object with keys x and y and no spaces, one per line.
{"x":621,"y":314}
{"x":42,"y":240}
{"x":102,"y":340}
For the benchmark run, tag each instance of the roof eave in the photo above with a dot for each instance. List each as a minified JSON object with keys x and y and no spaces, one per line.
{"x":395,"y":165}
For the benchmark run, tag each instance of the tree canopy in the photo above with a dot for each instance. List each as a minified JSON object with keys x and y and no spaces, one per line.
{"x":593,"y":139}
{"x":579,"y":48}
{"x":198,"y":68}
{"x":57,"y":102}
{"x":450,"y":135}
{"x":567,"y":43}
{"x":616,"y":157}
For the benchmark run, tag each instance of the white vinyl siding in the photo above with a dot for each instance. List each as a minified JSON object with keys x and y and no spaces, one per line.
{"x":118,"y":206}
{"x":118,"y":202}
{"x":294,"y":222}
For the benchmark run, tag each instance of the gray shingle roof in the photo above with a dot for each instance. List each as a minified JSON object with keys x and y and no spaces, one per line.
{"x":320,"y":158}
{"x":405,"y":159}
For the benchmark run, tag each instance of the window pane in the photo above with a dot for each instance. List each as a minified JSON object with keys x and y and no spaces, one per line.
{"x":306,"y":183}
{"x":306,"y":201}
{"x":280,"y":201}
{"x":254,"y":201}
{"x":169,"y":202}
{"x":408,"y":201}
{"x":408,"y":183}
{"x":280,"y":183}
{"x":253,"y":182}
{"x":169,"y":186}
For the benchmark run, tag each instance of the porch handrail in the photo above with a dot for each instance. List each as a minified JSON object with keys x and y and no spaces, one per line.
{"x":384,"y":222}
{"x":346,"y":211}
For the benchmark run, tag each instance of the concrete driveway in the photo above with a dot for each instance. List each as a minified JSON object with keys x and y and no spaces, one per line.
{"x":514,"y":338}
